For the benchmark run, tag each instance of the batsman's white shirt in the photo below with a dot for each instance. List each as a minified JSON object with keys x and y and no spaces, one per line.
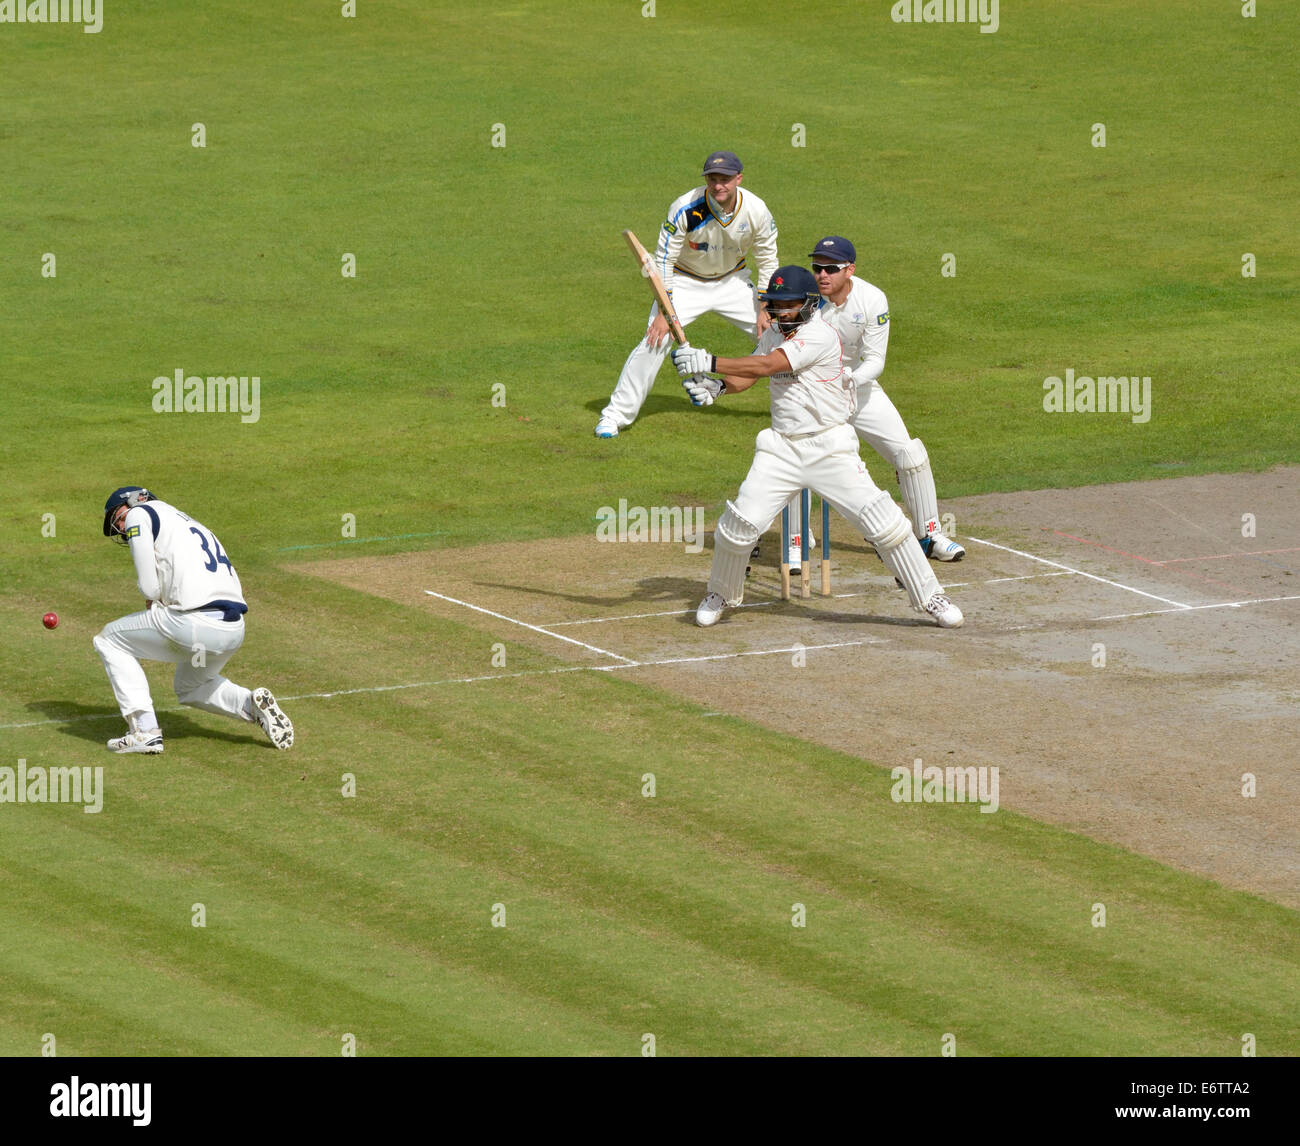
{"x":815,"y":393}
{"x":695,"y":242}
{"x":178,"y":561}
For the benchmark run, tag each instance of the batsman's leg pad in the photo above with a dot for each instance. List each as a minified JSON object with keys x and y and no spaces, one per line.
{"x":733,"y":541}
{"x":916,"y":480}
{"x":884,"y":525}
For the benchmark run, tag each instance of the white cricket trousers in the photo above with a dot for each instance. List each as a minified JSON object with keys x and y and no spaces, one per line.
{"x":198,"y":643}
{"x":880,"y":425}
{"x":733,"y":297}
{"x":827,"y":463}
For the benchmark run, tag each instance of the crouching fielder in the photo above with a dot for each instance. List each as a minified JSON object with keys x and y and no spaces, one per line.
{"x":810,"y":443}
{"x":193,"y":617}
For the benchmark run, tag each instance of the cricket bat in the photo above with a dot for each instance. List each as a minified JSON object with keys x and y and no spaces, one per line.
{"x":657,"y":286}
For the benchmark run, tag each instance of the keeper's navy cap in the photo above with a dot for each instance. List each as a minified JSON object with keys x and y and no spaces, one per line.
{"x":834,"y":249}
{"x":723,"y":163}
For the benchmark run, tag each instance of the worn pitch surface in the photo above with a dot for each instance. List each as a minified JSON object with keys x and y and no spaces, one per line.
{"x":1129,"y":659}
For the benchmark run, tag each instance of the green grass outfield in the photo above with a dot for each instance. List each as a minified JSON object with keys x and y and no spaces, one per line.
{"x":480,"y":265}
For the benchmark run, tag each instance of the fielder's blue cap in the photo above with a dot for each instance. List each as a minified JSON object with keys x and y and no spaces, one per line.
{"x":724,"y":163}
{"x":834,"y":248}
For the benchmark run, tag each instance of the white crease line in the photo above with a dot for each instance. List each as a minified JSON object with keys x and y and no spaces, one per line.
{"x":1023,"y":577}
{"x":535,"y":628}
{"x":666,"y":613}
{"x":500,"y":676}
{"x":751,"y":653}
{"x":967,"y":584}
{"x":1080,"y":572}
{"x":768,"y":604}
{"x":1193,"y":608}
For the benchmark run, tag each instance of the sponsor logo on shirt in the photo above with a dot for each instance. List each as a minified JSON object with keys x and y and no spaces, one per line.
{"x":883,"y":319}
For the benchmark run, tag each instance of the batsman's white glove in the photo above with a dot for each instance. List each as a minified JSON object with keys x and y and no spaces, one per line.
{"x":703,"y":391}
{"x":691,"y":360}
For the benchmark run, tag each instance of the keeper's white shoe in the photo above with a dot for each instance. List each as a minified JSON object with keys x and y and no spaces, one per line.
{"x":944,"y":612}
{"x":277,"y":726}
{"x":710,"y":610}
{"x":606,"y":428}
{"x":149,"y":743}
{"x":940,"y":548}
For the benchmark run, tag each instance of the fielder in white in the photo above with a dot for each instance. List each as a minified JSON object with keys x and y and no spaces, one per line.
{"x":859,"y":313}
{"x":810,"y":443}
{"x":701,"y":256}
{"x":194,"y":618}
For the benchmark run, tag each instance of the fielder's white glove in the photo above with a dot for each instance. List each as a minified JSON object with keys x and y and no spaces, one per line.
{"x":691,"y":360}
{"x":703,"y":391}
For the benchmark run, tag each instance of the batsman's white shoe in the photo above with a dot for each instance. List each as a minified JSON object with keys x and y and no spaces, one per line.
{"x":710,"y":610}
{"x":944,"y":612}
{"x":796,"y":549}
{"x":606,"y":428}
{"x":940,"y":548}
{"x":150,"y":743}
{"x":277,"y":726}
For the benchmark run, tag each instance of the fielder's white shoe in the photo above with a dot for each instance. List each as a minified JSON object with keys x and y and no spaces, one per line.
{"x":149,"y":743}
{"x":710,"y":610}
{"x":944,"y":612}
{"x":277,"y":726}
{"x":606,"y":428}
{"x":941,"y":548}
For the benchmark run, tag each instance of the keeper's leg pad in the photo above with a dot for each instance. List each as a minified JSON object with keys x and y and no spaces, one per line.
{"x":733,"y":541}
{"x":884,"y":525}
{"x":916,"y":480}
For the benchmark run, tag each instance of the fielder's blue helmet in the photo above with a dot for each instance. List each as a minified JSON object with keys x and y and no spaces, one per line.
{"x":129,"y":495}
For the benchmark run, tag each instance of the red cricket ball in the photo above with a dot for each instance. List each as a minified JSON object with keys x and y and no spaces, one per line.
{"x":50,"y":620}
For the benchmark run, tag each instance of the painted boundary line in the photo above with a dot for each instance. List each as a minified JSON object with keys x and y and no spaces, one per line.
{"x":1080,"y":572}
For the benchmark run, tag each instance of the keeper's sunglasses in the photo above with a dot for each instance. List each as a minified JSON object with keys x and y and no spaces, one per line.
{"x":828,"y":268}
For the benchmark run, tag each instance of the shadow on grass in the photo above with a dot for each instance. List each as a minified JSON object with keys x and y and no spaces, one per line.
{"x":669,"y":402}
{"x":92,"y":723}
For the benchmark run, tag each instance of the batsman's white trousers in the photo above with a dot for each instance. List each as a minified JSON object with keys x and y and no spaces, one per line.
{"x":164,"y":634}
{"x":827,"y":463}
{"x":733,"y":297}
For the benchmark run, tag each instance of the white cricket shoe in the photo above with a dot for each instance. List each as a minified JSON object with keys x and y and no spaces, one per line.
{"x":944,"y":612}
{"x":940,"y":548}
{"x":710,"y":610}
{"x":606,"y":428}
{"x":277,"y":726}
{"x":149,"y":743}
{"x":796,"y":549}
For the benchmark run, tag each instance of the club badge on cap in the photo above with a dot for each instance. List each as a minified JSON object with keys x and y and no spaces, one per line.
{"x":834,"y":248}
{"x":723,"y":163}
